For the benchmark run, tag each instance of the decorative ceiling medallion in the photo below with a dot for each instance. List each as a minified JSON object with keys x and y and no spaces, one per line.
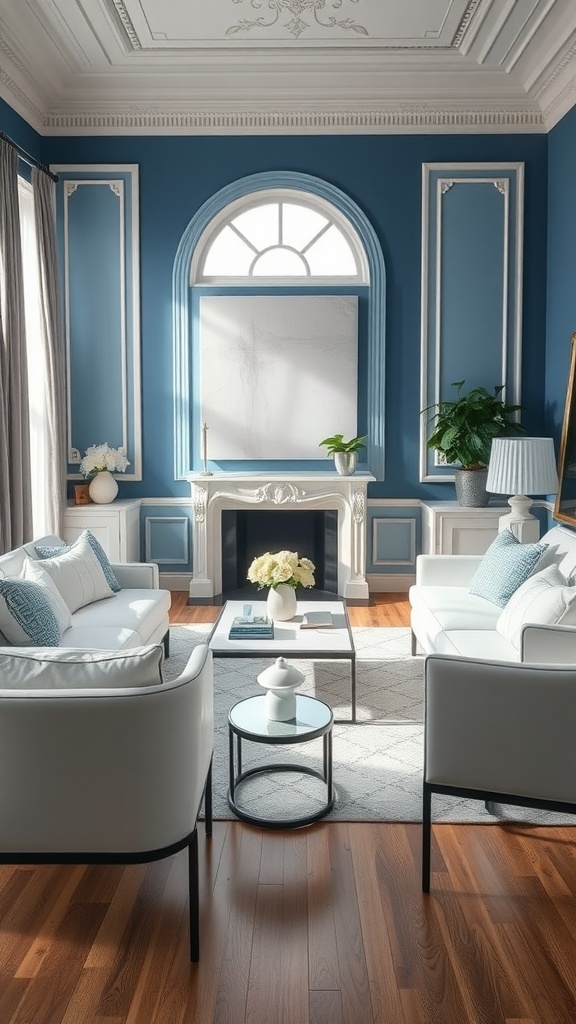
{"x":296,"y":24}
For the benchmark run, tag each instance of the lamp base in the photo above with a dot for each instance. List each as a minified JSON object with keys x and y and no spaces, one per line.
{"x":524,"y":526}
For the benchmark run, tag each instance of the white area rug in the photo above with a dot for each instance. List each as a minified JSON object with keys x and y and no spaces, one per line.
{"x":377,"y":763}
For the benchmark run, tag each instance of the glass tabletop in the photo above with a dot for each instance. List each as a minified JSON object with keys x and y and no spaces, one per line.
{"x":248,"y":718}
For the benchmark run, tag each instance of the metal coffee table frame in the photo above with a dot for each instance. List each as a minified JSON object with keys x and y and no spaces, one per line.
{"x":237,"y":776}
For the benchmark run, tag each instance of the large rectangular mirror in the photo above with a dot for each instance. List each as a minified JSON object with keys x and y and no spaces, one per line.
{"x":565,"y":506}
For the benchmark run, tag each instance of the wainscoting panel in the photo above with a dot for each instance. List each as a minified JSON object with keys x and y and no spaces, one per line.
{"x":393,"y":542}
{"x":472,"y":232}
{"x":97,"y":221}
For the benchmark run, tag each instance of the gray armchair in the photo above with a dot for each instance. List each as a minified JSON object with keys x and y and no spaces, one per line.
{"x":499,"y":732}
{"x":113,"y":775}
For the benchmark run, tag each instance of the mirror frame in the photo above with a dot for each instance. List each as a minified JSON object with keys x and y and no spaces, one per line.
{"x":565,"y":504}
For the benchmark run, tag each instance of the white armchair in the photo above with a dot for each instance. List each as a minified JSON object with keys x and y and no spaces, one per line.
{"x":499,"y":732}
{"x":108,"y":775}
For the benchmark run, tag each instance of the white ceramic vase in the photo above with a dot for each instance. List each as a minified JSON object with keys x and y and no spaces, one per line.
{"x":103,"y":488}
{"x":281,"y":602}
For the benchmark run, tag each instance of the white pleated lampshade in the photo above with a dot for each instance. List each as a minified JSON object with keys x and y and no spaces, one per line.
{"x":522,"y":465}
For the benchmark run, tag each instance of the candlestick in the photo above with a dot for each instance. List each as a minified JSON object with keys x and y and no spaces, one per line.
{"x":204,"y":450}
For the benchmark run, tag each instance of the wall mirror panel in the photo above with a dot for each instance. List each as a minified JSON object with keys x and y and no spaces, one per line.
{"x":565,"y":506}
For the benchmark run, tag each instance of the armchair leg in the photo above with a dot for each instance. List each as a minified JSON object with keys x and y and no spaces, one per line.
{"x":413,"y":644}
{"x":426,"y":836}
{"x":208,"y":802}
{"x":194,"y":897}
{"x":166,"y":642}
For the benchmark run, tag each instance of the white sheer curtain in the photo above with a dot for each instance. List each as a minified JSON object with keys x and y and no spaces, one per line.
{"x":46,"y":382}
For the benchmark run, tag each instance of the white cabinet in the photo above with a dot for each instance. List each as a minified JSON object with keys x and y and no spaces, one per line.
{"x":452,"y":529}
{"x":116,"y":526}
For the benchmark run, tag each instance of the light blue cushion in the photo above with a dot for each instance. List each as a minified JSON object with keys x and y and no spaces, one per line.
{"x":43,"y":551}
{"x":505,"y":567}
{"x":26,"y":615}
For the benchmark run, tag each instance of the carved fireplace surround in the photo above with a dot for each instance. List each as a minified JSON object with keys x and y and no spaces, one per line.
{"x":267,"y":491}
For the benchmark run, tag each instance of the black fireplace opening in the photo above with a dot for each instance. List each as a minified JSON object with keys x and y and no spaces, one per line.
{"x":248,"y":533}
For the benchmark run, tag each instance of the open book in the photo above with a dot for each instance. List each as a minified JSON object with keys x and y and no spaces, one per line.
{"x":317,"y":620}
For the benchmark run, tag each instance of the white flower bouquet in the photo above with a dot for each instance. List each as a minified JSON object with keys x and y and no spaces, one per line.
{"x":270,"y":570}
{"x":100,"y":457}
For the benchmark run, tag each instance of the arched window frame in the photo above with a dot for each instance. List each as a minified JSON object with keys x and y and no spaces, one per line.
{"x":242,"y":204}
{"x":182,"y":302}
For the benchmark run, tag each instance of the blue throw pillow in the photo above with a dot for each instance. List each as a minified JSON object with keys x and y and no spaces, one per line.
{"x":27,"y":618}
{"x":43,"y":551}
{"x":505,"y":566}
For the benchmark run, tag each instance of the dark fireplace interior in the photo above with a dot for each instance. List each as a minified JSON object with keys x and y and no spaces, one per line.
{"x":247,"y":533}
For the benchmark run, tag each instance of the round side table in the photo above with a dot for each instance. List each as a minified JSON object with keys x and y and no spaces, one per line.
{"x":247,"y":720}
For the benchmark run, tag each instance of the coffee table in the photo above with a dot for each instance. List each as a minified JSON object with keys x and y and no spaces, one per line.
{"x":247,"y":720}
{"x":331,"y":644}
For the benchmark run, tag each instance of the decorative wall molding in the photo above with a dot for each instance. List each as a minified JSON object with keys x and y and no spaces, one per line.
{"x":155,"y":121}
{"x":109,"y":400}
{"x":456,"y":211}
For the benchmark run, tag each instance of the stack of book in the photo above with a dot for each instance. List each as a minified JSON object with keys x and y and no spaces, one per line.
{"x":251,"y":627}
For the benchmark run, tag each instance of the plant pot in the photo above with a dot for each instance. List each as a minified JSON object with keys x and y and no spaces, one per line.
{"x":471,"y":487}
{"x":345,"y":462}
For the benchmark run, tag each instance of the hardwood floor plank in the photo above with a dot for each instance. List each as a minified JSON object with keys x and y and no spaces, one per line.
{"x":354,"y":984}
{"x":326,"y":1008}
{"x":324,"y":973}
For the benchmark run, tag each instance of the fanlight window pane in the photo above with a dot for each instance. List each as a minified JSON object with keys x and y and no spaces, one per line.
{"x":331,"y":255}
{"x":260,"y":225}
{"x":228,"y":256}
{"x":280,"y":262}
{"x":300,"y":224}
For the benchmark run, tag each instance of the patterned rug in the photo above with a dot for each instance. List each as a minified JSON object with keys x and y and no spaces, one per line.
{"x":377,"y":762}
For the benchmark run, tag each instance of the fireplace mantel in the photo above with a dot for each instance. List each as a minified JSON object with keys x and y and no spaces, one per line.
{"x":295,"y":490}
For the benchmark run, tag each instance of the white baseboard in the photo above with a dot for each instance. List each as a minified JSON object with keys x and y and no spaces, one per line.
{"x":398,"y":584}
{"x":175,"y":580}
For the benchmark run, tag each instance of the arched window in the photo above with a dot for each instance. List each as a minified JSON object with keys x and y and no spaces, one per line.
{"x":277,"y":233}
{"x":280,"y":237}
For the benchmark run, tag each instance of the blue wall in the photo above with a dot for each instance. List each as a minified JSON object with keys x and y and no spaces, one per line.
{"x":383,"y":174}
{"x":561,"y":279}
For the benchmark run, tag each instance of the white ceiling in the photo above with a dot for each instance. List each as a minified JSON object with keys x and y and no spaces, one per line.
{"x":92,"y":67}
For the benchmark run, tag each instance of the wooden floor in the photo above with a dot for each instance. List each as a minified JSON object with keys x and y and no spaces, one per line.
{"x":326,"y":925}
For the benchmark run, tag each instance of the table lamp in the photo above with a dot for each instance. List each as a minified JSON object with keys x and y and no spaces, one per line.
{"x":521,"y":466}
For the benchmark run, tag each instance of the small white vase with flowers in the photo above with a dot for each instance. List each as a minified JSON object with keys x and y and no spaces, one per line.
{"x":282,"y":572}
{"x":99,"y":462}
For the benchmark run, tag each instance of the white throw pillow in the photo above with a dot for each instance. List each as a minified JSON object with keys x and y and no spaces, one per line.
{"x":78,"y":575}
{"x":544,"y":599}
{"x":32,"y":571}
{"x":67,"y":669}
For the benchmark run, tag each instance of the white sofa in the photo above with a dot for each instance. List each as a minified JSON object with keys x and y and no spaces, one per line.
{"x":136,"y":615}
{"x":446,"y":618}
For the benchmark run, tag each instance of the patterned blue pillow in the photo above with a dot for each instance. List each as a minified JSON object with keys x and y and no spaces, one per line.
{"x":505,"y":566}
{"x":26,"y":615}
{"x":43,"y":551}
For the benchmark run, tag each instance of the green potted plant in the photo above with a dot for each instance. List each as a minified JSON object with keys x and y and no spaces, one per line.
{"x":345,"y":452}
{"x":463,"y":432}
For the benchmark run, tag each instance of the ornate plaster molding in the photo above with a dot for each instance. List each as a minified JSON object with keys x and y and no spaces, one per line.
{"x":153,"y":121}
{"x":465,"y":23}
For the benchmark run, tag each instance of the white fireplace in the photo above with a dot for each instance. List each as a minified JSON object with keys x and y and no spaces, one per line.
{"x":211,"y":494}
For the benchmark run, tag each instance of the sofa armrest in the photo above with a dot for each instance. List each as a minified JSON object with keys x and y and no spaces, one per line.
{"x":446,"y":570}
{"x":553,"y":645}
{"x":137,"y":575}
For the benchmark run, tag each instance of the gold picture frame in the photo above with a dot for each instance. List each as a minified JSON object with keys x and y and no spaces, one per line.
{"x":565,"y":504}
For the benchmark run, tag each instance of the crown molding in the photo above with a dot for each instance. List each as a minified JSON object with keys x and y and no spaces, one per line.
{"x":316,"y":121}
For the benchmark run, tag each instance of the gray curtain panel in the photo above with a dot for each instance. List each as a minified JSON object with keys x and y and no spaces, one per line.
{"x":53,"y":338}
{"x":15,"y":489}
